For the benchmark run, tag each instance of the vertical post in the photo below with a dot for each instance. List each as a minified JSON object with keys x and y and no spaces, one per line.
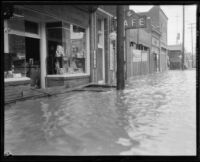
{"x":192,"y":43}
{"x":183,"y":42}
{"x":43,"y":54}
{"x":120,"y":47}
{"x":6,"y":47}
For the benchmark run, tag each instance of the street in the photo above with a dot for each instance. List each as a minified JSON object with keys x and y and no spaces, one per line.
{"x":154,"y":115}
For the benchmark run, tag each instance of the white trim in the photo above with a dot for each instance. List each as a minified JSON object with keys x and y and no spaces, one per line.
{"x":67,"y":75}
{"x":6,"y":43}
{"x":43,"y":55}
{"x":101,"y":46}
{"x":103,"y":51}
{"x":24,"y":34}
{"x":88,"y":50}
{"x":101,"y":10}
{"x":61,"y":27}
{"x":16,"y":79}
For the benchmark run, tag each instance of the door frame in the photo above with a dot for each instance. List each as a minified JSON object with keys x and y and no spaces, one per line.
{"x":101,"y":46}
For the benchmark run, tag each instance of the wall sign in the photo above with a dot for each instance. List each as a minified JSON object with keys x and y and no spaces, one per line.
{"x":134,"y":21}
{"x":136,"y":55}
{"x":144,"y":56}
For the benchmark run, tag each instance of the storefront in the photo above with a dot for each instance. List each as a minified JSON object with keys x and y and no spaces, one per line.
{"x":47,"y":46}
{"x":103,"y":47}
{"x":58,"y":45}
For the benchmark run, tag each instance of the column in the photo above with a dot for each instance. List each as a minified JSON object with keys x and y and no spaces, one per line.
{"x":43,"y":55}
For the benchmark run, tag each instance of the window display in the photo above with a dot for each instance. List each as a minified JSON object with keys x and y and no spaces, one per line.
{"x":22,"y":44}
{"x":15,"y":59}
{"x":66,"y":49}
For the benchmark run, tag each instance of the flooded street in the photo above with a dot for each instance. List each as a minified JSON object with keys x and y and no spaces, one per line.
{"x":154,"y":115}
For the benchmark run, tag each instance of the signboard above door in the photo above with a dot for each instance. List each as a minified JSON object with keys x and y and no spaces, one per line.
{"x":134,"y":20}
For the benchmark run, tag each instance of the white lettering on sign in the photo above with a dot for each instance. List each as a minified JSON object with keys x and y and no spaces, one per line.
{"x":125,"y":23}
{"x":134,"y":21}
{"x":130,"y":13}
{"x":141,"y":21}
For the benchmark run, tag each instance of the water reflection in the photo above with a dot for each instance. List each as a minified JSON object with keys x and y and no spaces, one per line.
{"x":154,"y":115}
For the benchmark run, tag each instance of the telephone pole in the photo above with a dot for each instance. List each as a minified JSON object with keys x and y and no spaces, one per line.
{"x":183,"y":41}
{"x":192,"y":39}
{"x":120,"y":48}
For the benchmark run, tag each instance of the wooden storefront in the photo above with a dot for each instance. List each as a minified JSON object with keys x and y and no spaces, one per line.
{"x":99,"y":52}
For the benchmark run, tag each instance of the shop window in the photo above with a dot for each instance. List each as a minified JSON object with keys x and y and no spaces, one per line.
{"x":20,"y":48}
{"x":17,"y":60}
{"x":66,"y":48}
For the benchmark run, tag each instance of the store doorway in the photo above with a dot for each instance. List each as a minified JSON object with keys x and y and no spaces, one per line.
{"x":100,"y":51}
{"x":33,"y":60}
{"x":155,"y":62}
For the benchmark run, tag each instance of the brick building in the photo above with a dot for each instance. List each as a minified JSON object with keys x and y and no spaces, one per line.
{"x":150,"y":42}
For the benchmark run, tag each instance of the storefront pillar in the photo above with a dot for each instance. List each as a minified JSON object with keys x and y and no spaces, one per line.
{"x":43,"y":56}
{"x":6,"y":48}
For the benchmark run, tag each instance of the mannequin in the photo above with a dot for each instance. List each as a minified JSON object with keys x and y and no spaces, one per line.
{"x":59,"y":58}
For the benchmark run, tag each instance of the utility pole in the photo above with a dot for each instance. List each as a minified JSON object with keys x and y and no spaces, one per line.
{"x":192,"y":39}
{"x":120,"y":48}
{"x":183,"y":41}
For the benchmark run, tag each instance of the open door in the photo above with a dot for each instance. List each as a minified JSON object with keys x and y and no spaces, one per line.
{"x":100,"y":58}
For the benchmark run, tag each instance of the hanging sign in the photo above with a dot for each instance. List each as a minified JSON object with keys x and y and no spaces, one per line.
{"x":134,"y":21}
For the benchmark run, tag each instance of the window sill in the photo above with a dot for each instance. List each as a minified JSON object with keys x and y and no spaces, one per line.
{"x":68,"y":75}
{"x":16,"y":79}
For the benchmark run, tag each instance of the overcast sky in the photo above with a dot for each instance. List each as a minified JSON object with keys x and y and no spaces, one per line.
{"x":175,"y":22}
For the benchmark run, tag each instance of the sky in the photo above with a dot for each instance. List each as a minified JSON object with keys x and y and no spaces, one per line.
{"x":175,"y":22}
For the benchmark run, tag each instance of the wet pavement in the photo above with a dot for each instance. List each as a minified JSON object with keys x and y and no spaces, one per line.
{"x":154,"y":115}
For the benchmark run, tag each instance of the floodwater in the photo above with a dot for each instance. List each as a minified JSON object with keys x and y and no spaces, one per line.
{"x":154,"y":115}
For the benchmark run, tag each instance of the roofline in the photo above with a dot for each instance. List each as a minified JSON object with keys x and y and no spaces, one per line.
{"x":163,"y":13}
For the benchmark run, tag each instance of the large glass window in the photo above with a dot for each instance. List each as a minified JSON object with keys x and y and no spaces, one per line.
{"x":21,"y":46}
{"x":66,"y":48}
{"x":14,"y":48}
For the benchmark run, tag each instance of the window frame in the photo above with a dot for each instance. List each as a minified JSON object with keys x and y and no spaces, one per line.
{"x":8,"y":31}
{"x":87,"y":58}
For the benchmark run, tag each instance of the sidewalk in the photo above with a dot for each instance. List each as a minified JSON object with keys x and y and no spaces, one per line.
{"x":36,"y":93}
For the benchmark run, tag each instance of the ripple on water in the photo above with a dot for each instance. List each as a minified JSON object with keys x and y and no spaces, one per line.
{"x":154,"y":115}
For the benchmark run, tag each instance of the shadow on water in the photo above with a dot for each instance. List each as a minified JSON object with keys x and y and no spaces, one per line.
{"x":154,"y":115}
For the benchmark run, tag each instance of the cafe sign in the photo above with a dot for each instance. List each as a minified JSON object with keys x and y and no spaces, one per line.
{"x":134,"y":21}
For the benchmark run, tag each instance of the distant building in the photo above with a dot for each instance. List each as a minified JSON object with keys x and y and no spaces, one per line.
{"x":189,"y":60}
{"x":175,"y":56}
{"x":151,"y":41}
